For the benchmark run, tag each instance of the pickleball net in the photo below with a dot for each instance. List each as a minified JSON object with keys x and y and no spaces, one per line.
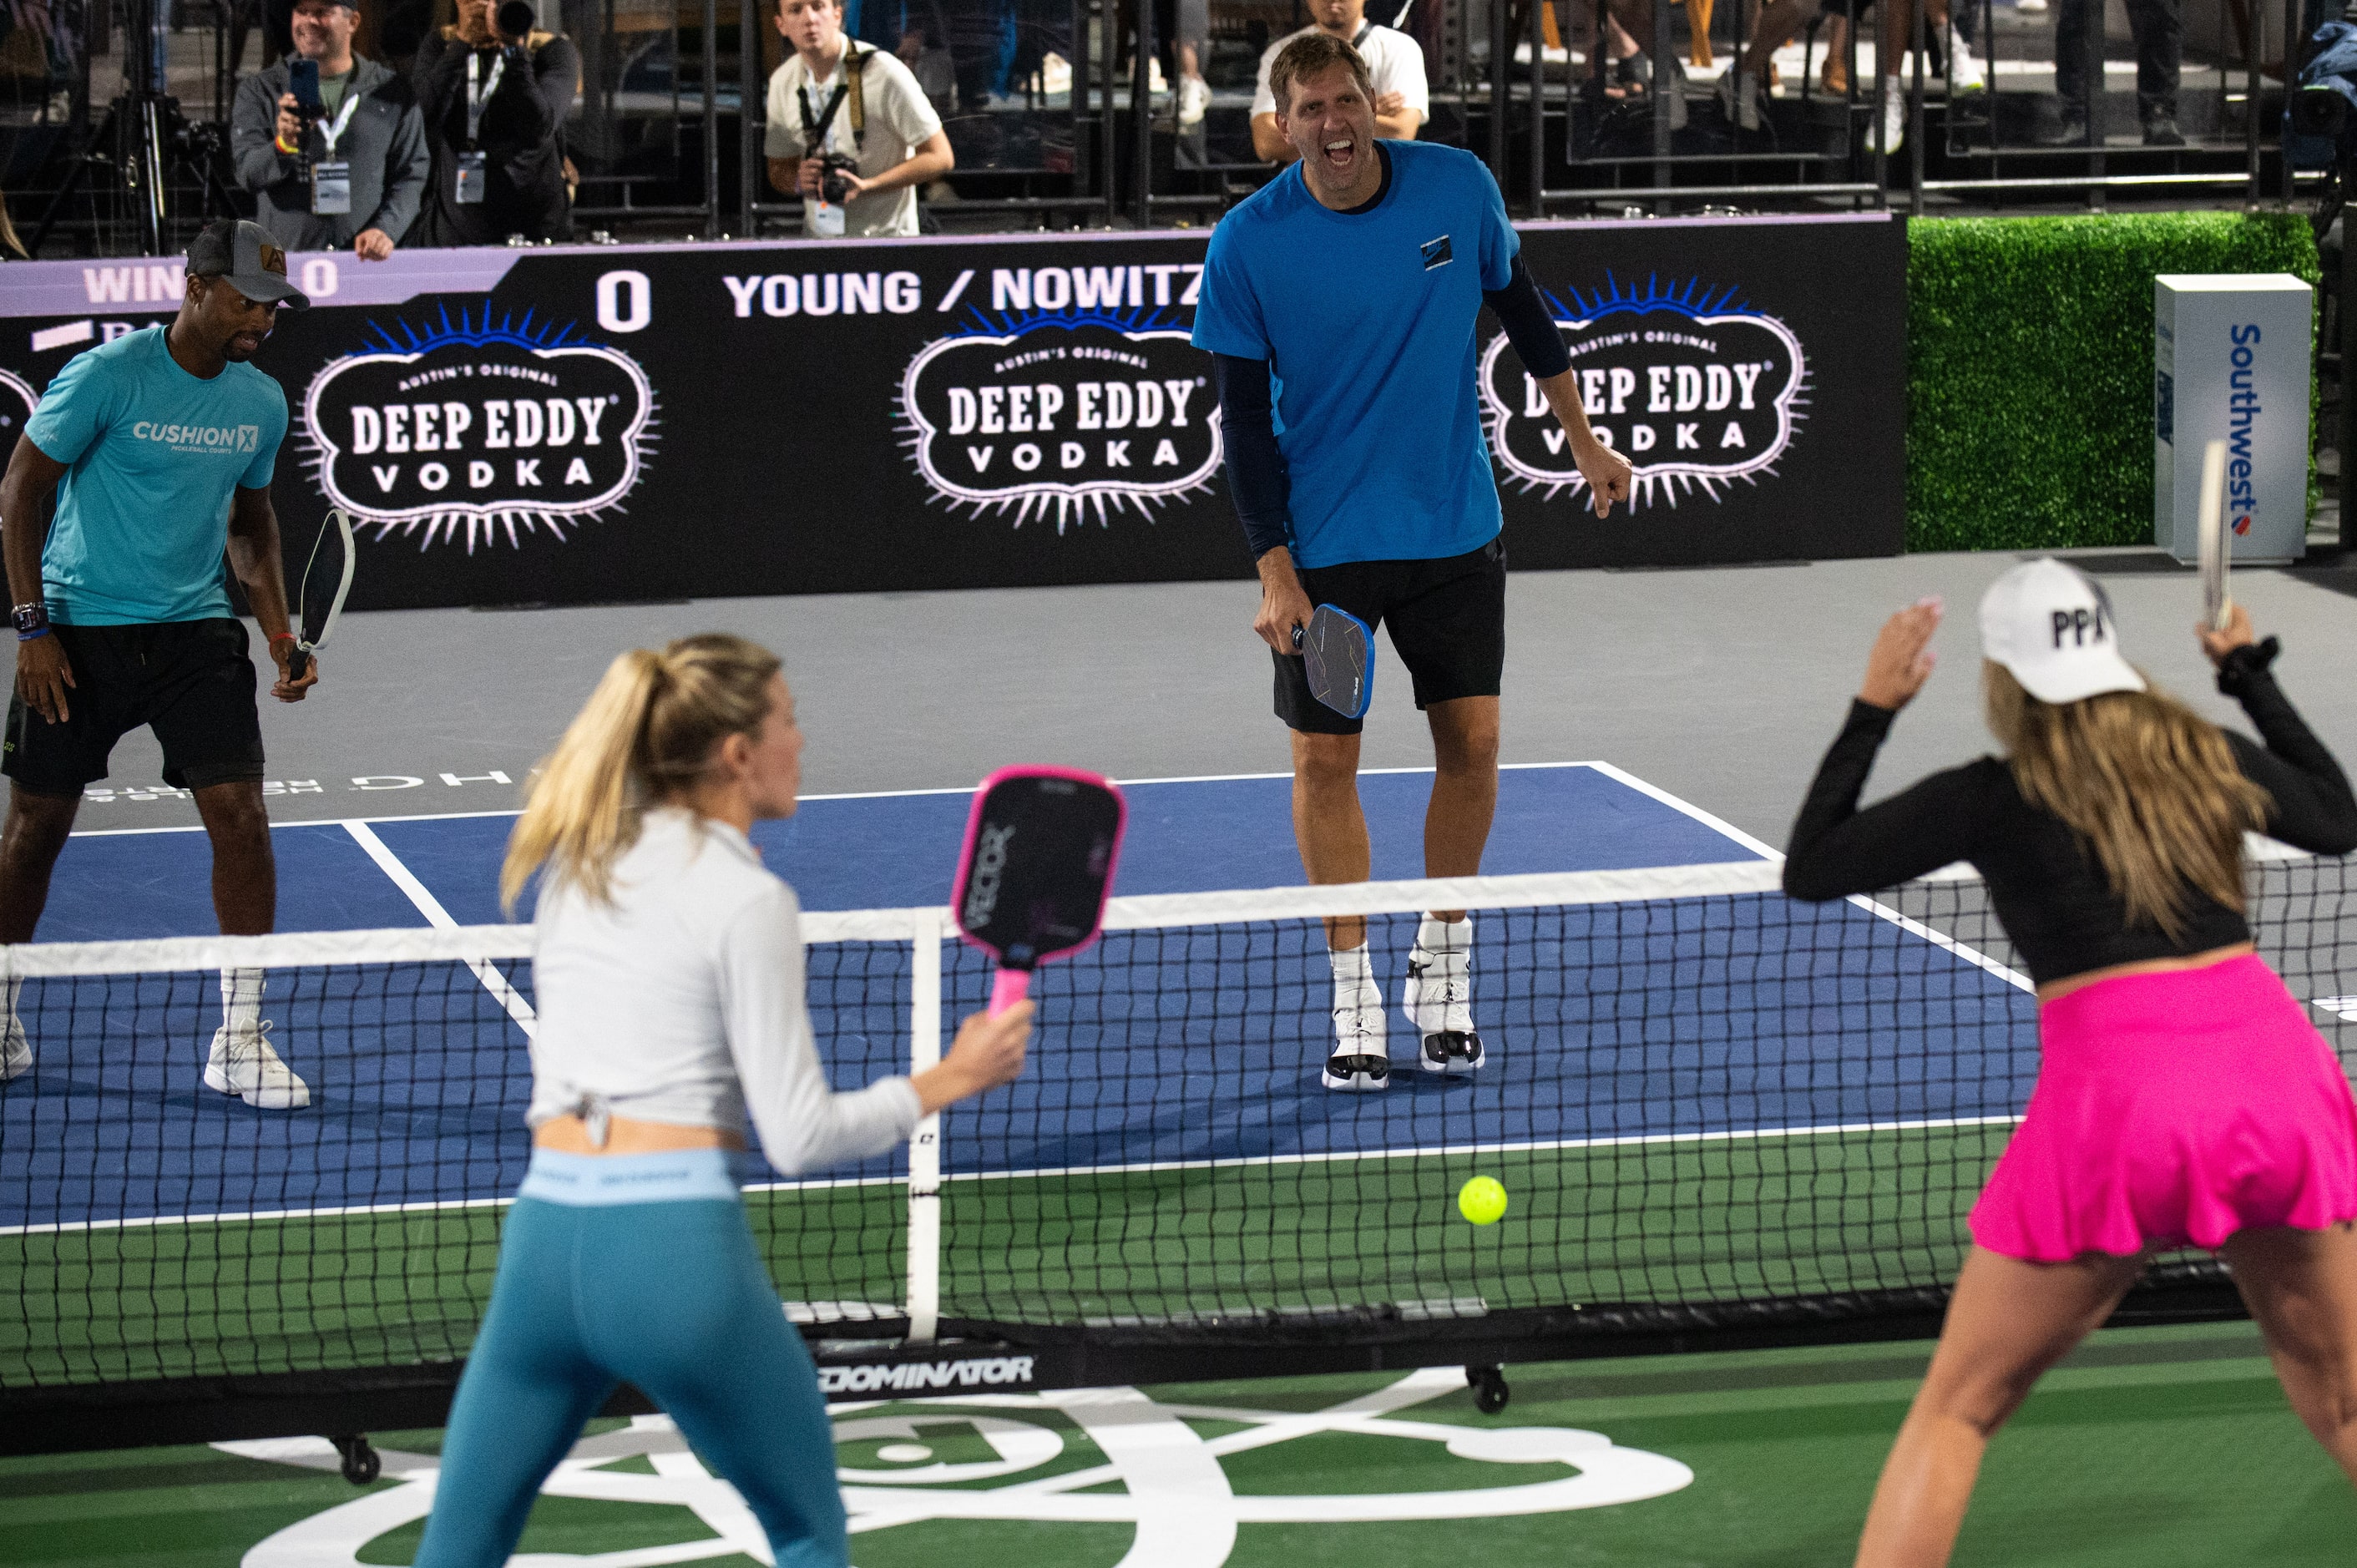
{"x":1708,"y":1105}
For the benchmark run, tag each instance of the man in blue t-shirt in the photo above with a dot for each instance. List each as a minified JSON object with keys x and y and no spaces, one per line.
{"x":159,"y":447}
{"x":1339,"y":304}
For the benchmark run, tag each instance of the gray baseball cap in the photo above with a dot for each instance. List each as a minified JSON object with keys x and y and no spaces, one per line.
{"x":244,"y":253}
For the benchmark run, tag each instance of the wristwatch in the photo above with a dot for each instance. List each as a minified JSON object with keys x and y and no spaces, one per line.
{"x":32,"y":621}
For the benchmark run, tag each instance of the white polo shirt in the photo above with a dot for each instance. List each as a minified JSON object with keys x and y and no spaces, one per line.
{"x":897,"y":120}
{"x":1394,"y":62}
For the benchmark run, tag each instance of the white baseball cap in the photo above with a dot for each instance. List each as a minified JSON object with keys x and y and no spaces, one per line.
{"x":2052,"y":626}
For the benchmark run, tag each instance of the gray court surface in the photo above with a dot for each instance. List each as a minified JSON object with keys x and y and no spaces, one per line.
{"x":1721,"y":685}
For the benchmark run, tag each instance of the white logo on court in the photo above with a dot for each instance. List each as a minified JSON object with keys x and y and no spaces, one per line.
{"x":1176,"y":1494}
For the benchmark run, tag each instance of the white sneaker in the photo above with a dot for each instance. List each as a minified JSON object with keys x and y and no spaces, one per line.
{"x":16,"y":1050}
{"x":1894,"y":114}
{"x":1964,"y":72}
{"x":1194,"y":99}
{"x":1438,"y":1000}
{"x":1362,"y":1060}
{"x":1738,"y":98}
{"x":248,"y":1068}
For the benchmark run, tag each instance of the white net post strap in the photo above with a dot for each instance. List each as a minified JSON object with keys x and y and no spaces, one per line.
{"x":925,"y":1143}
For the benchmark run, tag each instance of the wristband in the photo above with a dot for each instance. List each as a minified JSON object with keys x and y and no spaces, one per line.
{"x":30,"y":636}
{"x":32,"y":620}
{"x":279,"y":636}
{"x":280,"y":143}
{"x":2242,"y":665}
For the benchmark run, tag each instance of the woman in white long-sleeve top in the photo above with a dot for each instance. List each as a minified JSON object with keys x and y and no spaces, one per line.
{"x":668,"y":978}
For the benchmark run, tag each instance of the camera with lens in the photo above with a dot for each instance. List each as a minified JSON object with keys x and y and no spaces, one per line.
{"x":833,"y":165}
{"x":515,"y":20}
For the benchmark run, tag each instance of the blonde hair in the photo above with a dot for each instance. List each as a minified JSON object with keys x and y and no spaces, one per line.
{"x":2148,"y":785}
{"x":646,"y":734}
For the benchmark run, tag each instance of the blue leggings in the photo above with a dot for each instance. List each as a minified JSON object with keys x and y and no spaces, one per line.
{"x":670,"y":1296}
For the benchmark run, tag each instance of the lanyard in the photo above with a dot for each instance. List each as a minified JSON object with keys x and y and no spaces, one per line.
{"x":332,"y":133}
{"x":477,"y":101}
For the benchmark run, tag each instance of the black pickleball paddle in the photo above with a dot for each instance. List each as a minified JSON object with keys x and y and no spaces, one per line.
{"x":1340,"y":650}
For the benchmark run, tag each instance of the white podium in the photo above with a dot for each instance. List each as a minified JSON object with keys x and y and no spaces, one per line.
{"x":2230,"y":358}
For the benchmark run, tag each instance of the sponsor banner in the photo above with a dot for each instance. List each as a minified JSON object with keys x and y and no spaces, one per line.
{"x":588,"y":423}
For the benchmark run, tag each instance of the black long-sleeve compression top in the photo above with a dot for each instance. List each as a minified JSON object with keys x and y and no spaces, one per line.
{"x":2049,"y":892}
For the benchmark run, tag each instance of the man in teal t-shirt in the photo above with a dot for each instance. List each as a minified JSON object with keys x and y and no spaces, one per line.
{"x":159,"y":447}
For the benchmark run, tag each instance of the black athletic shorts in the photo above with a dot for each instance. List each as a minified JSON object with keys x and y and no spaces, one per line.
{"x":1448,"y":621}
{"x":189,"y":681}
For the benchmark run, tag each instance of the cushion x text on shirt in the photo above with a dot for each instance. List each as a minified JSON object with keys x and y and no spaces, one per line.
{"x":1367,"y":321}
{"x":153,"y":456}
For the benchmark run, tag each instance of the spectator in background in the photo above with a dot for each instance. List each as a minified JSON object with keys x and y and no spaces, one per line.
{"x":1394,"y":62}
{"x":932,"y":66}
{"x":1187,"y":26}
{"x":2160,"y":29}
{"x":350,"y":178}
{"x":495,"y":101}
{"x":865,"y":112}
{"x":1742,"y":89}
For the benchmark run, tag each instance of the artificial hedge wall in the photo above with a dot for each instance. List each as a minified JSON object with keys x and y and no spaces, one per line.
{"x":2030,"y":367}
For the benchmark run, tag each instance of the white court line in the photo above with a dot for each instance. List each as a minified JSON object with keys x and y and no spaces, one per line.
{"x":494,"y":982}
{"x":1605,"y":767}
{"x":418,"y":1205}
{"x":1343,"y":1157}
{"x":1912,"y":926}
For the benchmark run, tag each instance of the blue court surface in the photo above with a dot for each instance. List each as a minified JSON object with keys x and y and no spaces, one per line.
{"x":1690,"y":1017}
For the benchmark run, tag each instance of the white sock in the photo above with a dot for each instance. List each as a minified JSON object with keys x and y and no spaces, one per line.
{"x":1436,"y":935}
{"x":16,"y":990}
{"x":1354,"y":980}
{"x":241,"y":991}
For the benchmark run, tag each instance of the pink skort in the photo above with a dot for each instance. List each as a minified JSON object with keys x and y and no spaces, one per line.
{"x":2173,"y":1108}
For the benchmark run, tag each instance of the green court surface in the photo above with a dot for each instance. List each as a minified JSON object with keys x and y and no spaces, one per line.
{"x":1721,"y":1219}
{"x":2153,"y":1447}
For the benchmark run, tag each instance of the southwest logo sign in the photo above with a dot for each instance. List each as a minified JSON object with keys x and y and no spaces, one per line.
{"x":469,"y":431}
{"x":1066,"y":417}
{"x":1697,"y":390}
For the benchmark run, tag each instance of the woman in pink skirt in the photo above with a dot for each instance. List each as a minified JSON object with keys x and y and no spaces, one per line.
{"x":2183,"y":1097}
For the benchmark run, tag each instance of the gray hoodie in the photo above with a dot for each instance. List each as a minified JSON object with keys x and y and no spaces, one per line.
{"x":386,"y":143}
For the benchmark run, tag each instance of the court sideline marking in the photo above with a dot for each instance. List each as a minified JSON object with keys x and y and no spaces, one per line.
{"x":494,"y":982}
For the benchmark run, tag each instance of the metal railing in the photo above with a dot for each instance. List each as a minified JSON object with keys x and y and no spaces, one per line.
{"x":1554,"y":137}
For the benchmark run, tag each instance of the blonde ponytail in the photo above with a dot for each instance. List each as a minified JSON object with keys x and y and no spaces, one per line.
{"x":2148,"y":786}
{"x":646,"y":734}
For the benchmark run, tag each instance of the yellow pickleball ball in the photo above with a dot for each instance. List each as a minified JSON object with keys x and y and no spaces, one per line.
{"x":1481,"y":1200}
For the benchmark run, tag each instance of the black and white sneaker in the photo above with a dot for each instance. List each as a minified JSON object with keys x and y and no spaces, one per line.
{"x":1356,"y":1073}
{"x":1362,"y":1060}
{"x":1438,"y":1000}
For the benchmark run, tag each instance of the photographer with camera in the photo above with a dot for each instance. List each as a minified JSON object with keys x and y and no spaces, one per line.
{"x":849,"y":128}
{"x":495,"y":89}
{"x":331,"y":145}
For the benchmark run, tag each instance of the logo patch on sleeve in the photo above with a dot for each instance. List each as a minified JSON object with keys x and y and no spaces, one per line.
{"x":1435,"y":253}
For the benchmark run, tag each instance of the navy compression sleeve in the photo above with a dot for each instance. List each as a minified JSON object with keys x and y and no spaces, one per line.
{"x":1530,"y":326}
{"x":1256,"y":476}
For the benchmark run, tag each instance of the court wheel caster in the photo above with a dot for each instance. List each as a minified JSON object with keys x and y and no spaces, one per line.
{"x":1490,"y":1390}
{"x":361,"y":1465}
